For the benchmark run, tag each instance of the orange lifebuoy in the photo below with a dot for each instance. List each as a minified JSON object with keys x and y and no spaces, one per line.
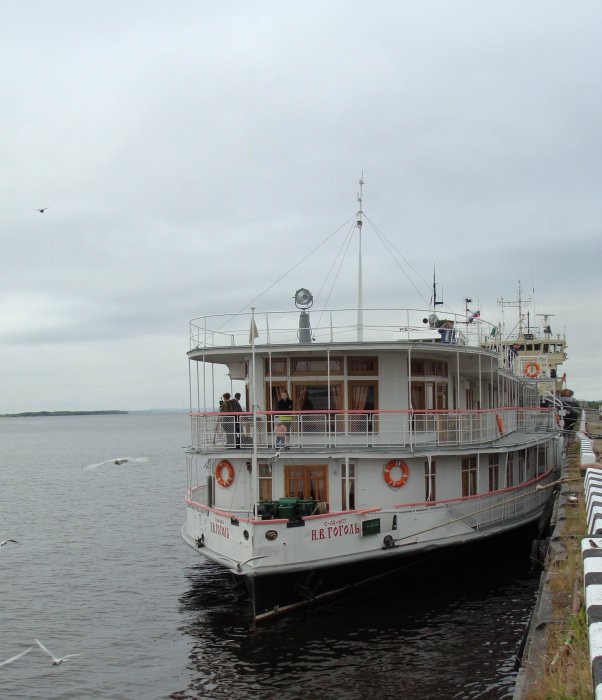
{"x":389,"y":480}
{"x":532,"y":369}
{"x":219,"y":470}
{"x":500,"y":424}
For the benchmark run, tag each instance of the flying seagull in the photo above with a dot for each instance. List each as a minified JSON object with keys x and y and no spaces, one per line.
{"x":116,"y":460}
{"x":55,"y":661}
{"x":14,"y":658}
{"x":42,"y":210}
{"x":7,"y":541}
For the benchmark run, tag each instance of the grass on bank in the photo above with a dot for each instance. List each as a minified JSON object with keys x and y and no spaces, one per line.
{"x":567,"y":664}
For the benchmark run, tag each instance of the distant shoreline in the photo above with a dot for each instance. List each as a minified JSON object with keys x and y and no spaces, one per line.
{"x":35,"y":414}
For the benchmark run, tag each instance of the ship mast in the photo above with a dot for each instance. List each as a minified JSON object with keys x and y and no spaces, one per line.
{"x":517,"y":304}
{"x":360,"y":300}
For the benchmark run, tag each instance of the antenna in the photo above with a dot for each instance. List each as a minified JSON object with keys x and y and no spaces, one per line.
{"x":546,"y":328}
{"x":360,"y":293}
{"x":517,"y":304}
{"x":435,"y":302}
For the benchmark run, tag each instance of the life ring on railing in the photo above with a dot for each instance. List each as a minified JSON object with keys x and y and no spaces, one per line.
{"x":532,"y":369}
{"x":500,"y":423}
{"x":219,"y":471}
{"x":389,"y":480}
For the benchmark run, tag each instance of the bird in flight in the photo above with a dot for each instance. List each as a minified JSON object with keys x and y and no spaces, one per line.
{"x":15,"y":657}
{"x":7,"y":541}
{"x":55,"y":660}
{"x":116,"y":460}
{"x":42,"y":210}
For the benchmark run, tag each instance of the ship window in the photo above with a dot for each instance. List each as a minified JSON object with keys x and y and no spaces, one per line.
{"x":306,"y":482}
{"x":347,"y":486}
{"x":469,"y":476}
{"x":362,"y":365}
{"x":510,"y":469}
{"x":428,"y":368}
{"x":429,"y":395}
{"x":430,"y":491}
{"x":315,"y":396}
{"x":273,"y":394}
{"x":265,"y":481}
{"x":362,"y":396}
{"x":494,"y":482}
{"x":541,"y":458}
{"x":275,"y":366}
{"x":317,"y":365}
{"x":537,"y":347}
{"x":521,"y":467}
{"x":417,"y":367}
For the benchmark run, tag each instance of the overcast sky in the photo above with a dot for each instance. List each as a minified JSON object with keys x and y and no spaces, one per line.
{"x":189,"y":152}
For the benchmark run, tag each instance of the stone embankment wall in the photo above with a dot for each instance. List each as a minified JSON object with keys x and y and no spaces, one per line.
{"x":550,"y":650}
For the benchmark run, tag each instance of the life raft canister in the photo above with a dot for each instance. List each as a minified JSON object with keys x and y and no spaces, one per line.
{"x":219,"y":473}
{"x":500,"y":423}
{"x":532,"y":369}
{"x":405,"y":472}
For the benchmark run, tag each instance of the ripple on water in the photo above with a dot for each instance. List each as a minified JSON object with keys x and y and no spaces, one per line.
{"x":101,"y":570}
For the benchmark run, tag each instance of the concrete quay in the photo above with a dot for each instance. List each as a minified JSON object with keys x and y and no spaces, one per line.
{"x":560,"y":654}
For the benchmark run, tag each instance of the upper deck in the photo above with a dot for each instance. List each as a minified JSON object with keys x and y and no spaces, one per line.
{"x":277,"y":329}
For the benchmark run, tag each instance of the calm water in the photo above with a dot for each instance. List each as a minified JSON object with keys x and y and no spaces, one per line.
{"x":101,"y":570}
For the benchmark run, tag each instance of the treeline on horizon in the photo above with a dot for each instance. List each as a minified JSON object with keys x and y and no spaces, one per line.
{"x":30,"y":414}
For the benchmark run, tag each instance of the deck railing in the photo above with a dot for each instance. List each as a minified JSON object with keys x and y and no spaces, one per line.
{"x":358,"y":429}
{"x":275,"y":328}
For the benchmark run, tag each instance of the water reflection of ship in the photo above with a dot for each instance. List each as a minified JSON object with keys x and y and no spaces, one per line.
{"x":383,"y":625}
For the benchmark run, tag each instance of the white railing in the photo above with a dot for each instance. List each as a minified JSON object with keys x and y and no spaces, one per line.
{"x":331,"y":429}
{"x":336,"y":326}
{"x":483,"y":510}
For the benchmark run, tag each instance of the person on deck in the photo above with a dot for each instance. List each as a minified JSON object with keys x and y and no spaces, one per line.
{"x":285,"y":404}
{"x":229,"y":423}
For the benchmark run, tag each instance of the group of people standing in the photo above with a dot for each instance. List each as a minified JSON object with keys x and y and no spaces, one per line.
{"x":231,"y":425}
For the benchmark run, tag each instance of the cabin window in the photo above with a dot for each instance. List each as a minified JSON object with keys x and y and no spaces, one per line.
{"x":265,"y":481}
{"x":425,"y":367}
{"x":275,"y":366}
{"x":316,"y":365}
{"x":541,"y":458}
{"x":273,"y":394}
{"x":469,"y":476}
{"x":362,"y":365}
{"x":494,"y":473}
{"x":429,"y":395}
{"x":317,"y":396}
{"x":510,"y":469}
{"x":362,"y":396}
{"x":430,"y":473}
{"x":306,"y":482}
{"x":347,"y":486}
{"x":521,"y":467}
